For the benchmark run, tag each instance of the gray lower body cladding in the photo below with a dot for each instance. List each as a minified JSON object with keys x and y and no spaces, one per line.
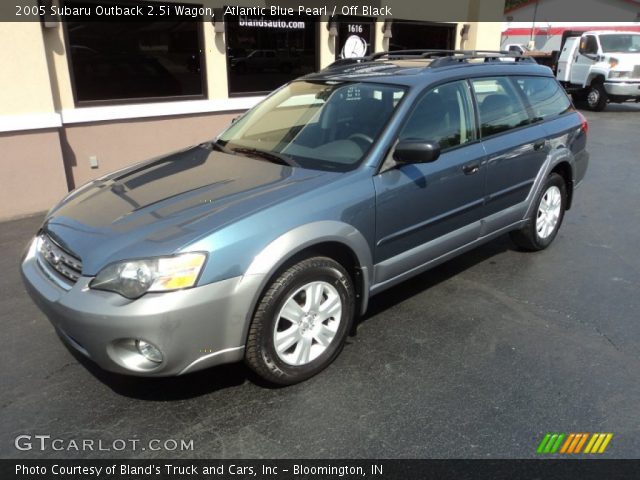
{"x":194,"y":328}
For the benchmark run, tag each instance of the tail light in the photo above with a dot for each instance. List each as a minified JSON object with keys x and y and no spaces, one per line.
{"x":584,"y":125}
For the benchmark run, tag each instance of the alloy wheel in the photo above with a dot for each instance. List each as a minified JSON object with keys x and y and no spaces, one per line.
{"x":548,"y":212}
{"x":307,"y":323}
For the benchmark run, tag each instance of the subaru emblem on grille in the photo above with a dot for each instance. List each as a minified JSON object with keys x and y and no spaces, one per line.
{"x":53,"y":258}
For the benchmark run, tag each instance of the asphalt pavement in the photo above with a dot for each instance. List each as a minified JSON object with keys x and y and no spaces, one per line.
{"x":478,"y":358}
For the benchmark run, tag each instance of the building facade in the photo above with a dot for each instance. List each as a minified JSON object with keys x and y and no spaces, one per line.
{"x":81,"y":99}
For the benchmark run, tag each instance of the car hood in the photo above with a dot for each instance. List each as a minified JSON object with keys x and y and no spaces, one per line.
{"x":626,"y":61}
{"x":160,"y":206}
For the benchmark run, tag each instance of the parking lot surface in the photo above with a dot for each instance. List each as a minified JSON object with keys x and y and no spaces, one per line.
{"x":478,"y":358}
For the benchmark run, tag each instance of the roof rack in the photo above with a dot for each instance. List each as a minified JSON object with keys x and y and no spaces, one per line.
{"x":440,"y":58}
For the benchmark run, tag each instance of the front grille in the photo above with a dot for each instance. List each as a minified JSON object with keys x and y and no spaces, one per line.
{"x":56,"y":258}
{"x":636,"y":71}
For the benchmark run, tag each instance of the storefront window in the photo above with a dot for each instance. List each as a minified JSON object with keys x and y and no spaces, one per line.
{"x":133,"y":61}
{"x":355,"y":36}
{"x":408,"y":35}
{"x":266,"y":52}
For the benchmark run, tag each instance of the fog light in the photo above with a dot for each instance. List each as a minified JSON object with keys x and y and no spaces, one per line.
{"x":149,"y":351}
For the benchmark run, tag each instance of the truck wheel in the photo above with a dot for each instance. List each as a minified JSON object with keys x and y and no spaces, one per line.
{"x":301,"y":322}
{"x":597,"y":97}
{"x":546,"y":217}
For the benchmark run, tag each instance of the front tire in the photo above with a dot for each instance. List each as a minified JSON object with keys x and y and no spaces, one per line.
{"x":301,"y":322}
{"x":597,"y":97}
{"x":542,"y":226}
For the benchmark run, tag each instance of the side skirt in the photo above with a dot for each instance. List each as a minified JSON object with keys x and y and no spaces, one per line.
{"x":422,"y":251}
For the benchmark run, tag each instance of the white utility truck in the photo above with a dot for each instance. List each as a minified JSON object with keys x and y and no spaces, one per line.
{"x":601,"y":67}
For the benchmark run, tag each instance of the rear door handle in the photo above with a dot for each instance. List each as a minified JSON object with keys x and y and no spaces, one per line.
{"x":471,"y":168}
{"x":539,"y":145}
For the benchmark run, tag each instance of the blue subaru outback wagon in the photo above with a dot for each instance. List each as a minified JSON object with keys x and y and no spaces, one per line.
{"x":266,"y":243}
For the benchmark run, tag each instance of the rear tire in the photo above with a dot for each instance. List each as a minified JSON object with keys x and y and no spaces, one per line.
{"x":597,"y":97}
{"x":546,"y":217}
{"x":301,"y":322}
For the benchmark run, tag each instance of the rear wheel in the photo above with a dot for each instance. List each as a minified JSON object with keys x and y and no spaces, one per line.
{"x":542,"y":226}
{"x":302,"y":321}
{"x":596,"y":97}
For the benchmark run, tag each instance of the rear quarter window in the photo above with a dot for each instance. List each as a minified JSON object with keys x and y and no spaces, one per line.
{"x":545,"y":95}
{"x":500,"y":105}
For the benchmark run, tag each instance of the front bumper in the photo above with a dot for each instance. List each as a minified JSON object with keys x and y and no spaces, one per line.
{"x":626,"y":89}
{"x":194,"y":328}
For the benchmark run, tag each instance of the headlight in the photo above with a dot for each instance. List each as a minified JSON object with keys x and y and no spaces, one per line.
{"x":619,"y":74}
{"x":134,"y":278}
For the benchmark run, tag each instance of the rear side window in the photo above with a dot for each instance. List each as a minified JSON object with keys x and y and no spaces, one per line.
{"x":546,"y":97}
{"x":500,"y":106}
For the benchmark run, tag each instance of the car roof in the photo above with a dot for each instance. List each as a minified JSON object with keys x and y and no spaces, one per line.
{"x":417,"y":67}
{"x":610,"y":32}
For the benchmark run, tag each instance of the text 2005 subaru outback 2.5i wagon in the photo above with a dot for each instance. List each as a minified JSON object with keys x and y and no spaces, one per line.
{"x":264,"y":244}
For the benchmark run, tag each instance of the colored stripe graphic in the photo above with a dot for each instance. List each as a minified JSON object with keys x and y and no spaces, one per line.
{"x":591,"y":442}
{"x":572,"y":443}
{"x":567,"y":443}
{"x":605,"y":444}
{"x":581,"y":443}
{"x":543,"y":443}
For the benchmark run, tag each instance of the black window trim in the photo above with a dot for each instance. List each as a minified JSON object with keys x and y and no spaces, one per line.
{"x":138,"y":100}
{"x":532,"y":118}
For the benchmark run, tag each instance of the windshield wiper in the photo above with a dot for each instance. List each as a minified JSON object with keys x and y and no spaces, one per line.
{"x":270,"y":156}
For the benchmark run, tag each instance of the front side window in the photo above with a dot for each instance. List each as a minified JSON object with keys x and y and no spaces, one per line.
{"x":320,"y":125}
{"x":443,"y":115}
{"x":131,"y":61}
{"x":589,"y":45}
{"x":500,"y":106}
{"x":545,"y":95}
{"x":620,"y":43}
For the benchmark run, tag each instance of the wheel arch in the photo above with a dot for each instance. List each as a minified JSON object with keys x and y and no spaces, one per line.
{"x":595,"y":77}
{"x":565,"y":170}
{"x":337,"y":240}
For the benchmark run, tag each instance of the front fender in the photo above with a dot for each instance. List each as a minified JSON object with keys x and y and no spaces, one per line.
{"x":280,"y":250}
{"x":594,"y":72}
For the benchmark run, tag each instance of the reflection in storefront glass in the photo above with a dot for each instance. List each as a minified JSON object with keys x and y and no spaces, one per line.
{"x":135,"y":60}
{"x":266,"y":52}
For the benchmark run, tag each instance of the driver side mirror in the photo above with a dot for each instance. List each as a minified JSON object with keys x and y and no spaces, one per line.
{"x":416,"y":151}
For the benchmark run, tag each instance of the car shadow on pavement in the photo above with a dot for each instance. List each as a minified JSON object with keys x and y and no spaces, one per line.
{"x":164,"y":389}
{"x":233,"y":375}
{"x":436,"y":275}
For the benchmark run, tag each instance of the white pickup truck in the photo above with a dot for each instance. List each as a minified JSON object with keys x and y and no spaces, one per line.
{"x":601,"y":67}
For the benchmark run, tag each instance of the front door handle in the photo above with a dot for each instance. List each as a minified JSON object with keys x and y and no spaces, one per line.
{"x":539,"y":145}
{"x":471,"y":168}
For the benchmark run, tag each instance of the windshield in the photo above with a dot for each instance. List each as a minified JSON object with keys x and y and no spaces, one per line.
{"x":621,"y":43}
{"x":318,"y":125}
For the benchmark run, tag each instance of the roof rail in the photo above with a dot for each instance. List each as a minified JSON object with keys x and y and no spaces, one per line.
{"x":346,"y":61}
{"x":440,"y":57}
{"x":487,"y":56}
